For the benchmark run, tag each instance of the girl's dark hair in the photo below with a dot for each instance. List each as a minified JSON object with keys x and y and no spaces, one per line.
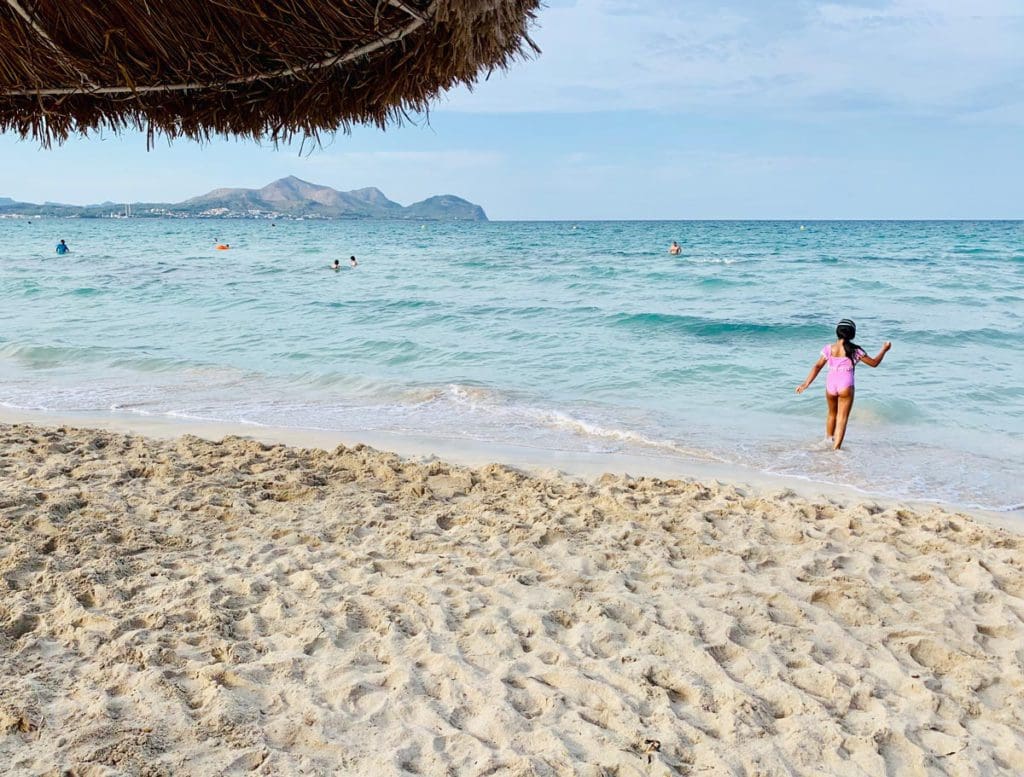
{"x":846,"y":330}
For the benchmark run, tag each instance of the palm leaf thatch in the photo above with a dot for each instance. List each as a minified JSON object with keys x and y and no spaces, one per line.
{"x":256,"y":68}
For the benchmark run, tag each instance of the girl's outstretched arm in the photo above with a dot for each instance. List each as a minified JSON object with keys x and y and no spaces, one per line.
{"x":811,"y":375}
{"x":878,"y":359}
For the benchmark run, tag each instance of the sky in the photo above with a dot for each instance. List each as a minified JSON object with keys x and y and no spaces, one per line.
{"x":658,"y":109}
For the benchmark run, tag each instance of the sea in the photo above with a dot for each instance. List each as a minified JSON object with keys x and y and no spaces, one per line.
{"x":565,"y":337}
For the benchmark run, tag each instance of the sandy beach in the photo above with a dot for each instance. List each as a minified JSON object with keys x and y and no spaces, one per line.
{"x":189,"y":607}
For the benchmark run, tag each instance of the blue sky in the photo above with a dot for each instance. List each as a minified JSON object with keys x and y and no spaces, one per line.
{"x":661,"y":109}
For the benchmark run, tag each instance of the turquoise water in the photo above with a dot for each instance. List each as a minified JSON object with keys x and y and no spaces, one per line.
{"x":576,"y":337}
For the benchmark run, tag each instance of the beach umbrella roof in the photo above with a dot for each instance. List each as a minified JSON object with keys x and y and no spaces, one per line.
{"x":256,"y":68}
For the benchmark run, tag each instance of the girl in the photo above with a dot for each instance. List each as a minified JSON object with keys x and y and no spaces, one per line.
{"x":841,"y":356}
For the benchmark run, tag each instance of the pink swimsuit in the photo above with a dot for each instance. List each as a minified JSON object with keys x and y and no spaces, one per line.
{"x":840,"y":370}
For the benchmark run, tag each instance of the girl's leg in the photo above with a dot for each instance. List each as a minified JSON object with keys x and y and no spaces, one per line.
{"x":845,"y":402}
{"x":830,"y":420}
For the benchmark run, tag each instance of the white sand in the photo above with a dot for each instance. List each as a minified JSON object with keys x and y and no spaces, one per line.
{"x":189,"y":607}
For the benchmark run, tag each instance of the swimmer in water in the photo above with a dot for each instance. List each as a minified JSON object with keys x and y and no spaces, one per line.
{"x":352,"y":261}
{"x":674,"y":249}
{"x":337,"y":265}
{"x":62,"y":248}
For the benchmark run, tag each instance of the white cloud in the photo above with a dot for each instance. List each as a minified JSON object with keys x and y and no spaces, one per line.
{"x":911,"y":56}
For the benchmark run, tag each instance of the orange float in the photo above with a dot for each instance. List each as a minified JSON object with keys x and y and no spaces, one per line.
{"x":223,"y":247}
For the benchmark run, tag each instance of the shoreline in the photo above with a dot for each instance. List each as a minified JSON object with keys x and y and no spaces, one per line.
{"x":474,"y":453}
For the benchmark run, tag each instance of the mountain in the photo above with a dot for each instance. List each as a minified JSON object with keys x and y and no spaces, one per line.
{"x":289,"y":197}
{"x":445,"y":207}
{"x":292,"y":196}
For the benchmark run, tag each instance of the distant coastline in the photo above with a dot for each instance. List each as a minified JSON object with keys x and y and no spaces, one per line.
{"x":284,"y":199}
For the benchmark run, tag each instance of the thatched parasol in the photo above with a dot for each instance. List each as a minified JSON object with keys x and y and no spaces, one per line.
{"x":257,"y":68}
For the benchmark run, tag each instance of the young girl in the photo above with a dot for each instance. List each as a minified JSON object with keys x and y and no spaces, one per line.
{"x":841,"y":356}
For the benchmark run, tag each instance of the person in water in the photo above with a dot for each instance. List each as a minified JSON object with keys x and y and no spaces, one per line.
{"x":62,"y":248}
{"x":674,"y":249}
{"x":337,"y":265}
{"x":352,"y":261}
{"x":841,"y":357}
